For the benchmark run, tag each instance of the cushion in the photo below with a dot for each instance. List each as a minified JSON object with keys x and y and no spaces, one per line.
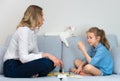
{"x":115,"y":52}
{"x":113,"y":41}
{"x":50,"y":44}
{"x":2,"y":51}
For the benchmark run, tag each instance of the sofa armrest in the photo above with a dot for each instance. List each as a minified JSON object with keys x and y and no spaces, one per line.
{"x":2,"y":52}
{"x":115,"y":52}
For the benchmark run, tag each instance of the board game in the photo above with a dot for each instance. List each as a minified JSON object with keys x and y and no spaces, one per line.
{"x":64,"y":75}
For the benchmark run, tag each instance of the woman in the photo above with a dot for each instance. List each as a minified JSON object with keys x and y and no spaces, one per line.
{"x":22,"y":58}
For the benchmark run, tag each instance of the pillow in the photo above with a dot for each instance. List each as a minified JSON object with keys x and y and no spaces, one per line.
{"x":115,"y":52}
{"x":2,"y":51}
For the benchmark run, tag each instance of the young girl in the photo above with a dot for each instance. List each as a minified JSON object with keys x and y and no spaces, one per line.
{"x":22,"y":58}
{"x":99,"y":61}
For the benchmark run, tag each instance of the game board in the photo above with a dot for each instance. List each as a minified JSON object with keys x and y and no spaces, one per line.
{"x":63,"y":75}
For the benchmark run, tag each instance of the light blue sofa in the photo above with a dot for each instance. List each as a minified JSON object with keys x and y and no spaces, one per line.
{"x":53,"y":45}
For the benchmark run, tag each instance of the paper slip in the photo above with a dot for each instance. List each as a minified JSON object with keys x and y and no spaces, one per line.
{"x":61,"y":76}
{"x":75,"y":76}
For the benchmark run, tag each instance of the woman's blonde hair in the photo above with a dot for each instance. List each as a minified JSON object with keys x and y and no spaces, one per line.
{"x":101,"y":33}
{"x":31,"y":17}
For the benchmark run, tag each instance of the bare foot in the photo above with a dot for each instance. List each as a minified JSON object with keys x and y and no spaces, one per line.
{"x":35,"y":76}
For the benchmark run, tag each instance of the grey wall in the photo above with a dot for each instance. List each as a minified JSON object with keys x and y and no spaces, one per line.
{"x":60,"y":14}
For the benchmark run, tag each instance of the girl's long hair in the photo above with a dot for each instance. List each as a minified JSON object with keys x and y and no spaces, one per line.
{"x":101,"y":33}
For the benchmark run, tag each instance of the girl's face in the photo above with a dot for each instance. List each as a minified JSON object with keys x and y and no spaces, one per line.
{"x":92,"y":39}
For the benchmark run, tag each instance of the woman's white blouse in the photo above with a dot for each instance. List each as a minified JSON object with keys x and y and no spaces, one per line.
{"x":23,"y":46}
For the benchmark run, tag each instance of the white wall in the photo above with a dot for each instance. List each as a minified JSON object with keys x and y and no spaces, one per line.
{"x":59,"y":14}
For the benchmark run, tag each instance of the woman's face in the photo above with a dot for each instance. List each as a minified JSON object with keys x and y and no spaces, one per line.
{"x":40,"y":21}
{"x":92,"y":39}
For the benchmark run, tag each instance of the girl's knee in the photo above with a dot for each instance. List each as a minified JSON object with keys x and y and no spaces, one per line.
{"x":77,"y":62}
{"x":87,"y":67}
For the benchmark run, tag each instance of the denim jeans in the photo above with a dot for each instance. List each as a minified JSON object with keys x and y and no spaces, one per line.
{"x":16,"y":69}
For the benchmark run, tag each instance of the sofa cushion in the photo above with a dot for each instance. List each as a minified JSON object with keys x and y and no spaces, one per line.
{"x":7,"y":41}
{"x":71,"y":53}
{"x":50,"y":44}
{"x":112,"y":40}
{"x":115,"y":52}
{"x":2,"y":52}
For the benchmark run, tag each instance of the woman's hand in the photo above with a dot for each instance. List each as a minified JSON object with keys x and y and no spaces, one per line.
{"x":56,"y":61}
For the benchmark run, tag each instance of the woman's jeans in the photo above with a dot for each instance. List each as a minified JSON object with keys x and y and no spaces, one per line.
{"x":16,"y":69}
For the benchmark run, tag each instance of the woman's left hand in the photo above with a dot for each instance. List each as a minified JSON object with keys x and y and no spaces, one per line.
{"x":56,"y":61}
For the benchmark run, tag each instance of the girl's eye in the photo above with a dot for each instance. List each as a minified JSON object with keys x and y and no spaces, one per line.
{"x":90,"y":37}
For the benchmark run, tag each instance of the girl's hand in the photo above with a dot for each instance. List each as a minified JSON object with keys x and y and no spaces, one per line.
{"x":76,"y":71}
{"x":81,"y":46}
